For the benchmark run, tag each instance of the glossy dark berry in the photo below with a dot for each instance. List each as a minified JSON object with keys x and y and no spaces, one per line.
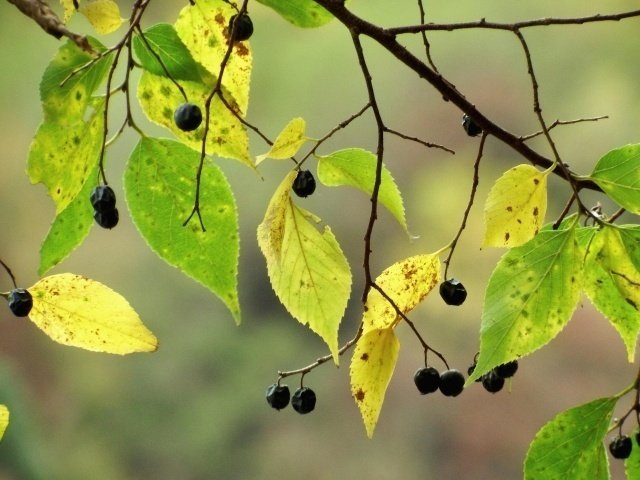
{"x":102,"y":198}
{"x":620,"y":447}
{"x":451,"y":383}
{"x":427,"y":380}
{"x":188,"y":117}
{"x":507,"y":370}
{"x":20,"y":302}
{"x":107,"y":219}
{"x":278,"y":396}
{"x":243,"y":26}
{"x":453,"y":292}
{"x":304,"y":184}
{"x":471,"y":127}
{"x":492,"y":382}
{"x":303,"y":400}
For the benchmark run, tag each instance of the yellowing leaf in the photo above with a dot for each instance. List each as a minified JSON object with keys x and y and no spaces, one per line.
{"x":289,"y":141}
{"x":407,"y":283}
{"x":80,"y":312}
{"x":372,"y":365}
{"x":69,"y":9}
{"x":308,"y":271}
{"x":104,"y":15}
{"x":4,"y":419}
{"x":516,"y":207}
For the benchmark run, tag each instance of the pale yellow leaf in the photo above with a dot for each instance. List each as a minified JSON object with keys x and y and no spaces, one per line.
{"x":288,"y":142}
{"x":4,"y":420}
{"x":307,"y":269}
{"x":80,"y":312}
{"x":69,"y":9}
{"x":516,"y":206}
{"x":406,"y":283}
{"x":104,"y":15}
{"x":372,"y":365}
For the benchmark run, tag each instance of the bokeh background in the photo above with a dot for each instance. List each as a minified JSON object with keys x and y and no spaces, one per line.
{"x":195,"y":409}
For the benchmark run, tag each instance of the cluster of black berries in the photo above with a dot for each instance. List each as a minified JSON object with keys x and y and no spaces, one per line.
{"x":303,"y":400}
{"x":450,"y":382}
{"x":304,"y":184}
{"x":240,"y":27}
{"x":453,"y":292}
{"x":20,"y":302}
{"x":470,"y":126}
{"x":493,"y":380}
{"x":187,"y":117}
{"x":103,"y":201}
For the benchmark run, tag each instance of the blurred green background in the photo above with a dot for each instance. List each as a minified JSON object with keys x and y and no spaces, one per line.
{"x":195,"y":409}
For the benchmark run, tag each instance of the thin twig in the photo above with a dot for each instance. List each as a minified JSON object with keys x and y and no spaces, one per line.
{"x":417,"y":140}
{"x":563,"y":122}
{"x":13,"y":279}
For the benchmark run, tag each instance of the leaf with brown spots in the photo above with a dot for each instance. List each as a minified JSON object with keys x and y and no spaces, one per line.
{"x":80,"y":312}
{"x":372,"y":365}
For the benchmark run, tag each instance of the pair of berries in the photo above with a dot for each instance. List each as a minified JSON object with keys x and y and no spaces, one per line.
{"x":494,"y":380}
{"x":20,"y":302}
{"x":103,"y":201}
{"x":450,"y":382}
{"x":621,"y":446}
{"x":303,"y":400}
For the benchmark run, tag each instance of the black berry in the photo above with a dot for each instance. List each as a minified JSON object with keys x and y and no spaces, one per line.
{"x":492,"y":382}
{"x":427,"y":380}
{"x":451,"y":383}
{"x":453,"y":292}
{"x":20,"y":302}
{"x":303,"y":400}
{"x":620,"y":447}
{"x":102,"y":198}
{"x":188,"y":117}
{"x":304,"y":184}
{"x":278,"y":396}
{"x":107,"y":219}
{"x":243,"y":27}
{"x":507,"y":370}
{"x":471,"y":369}
{"x":471,"y":127}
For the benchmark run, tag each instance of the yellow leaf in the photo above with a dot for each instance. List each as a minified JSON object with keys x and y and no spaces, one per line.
{"x":69,"y":9}
{"x":407,"y":283}
{"x":4,"y":419}
{"x":516,"y":206}
{"x":104,"y":15}
{"x":77,"y":311}
{"x":308,"y":271}
{"x":372,"y":365}
{"x":289,"y":141}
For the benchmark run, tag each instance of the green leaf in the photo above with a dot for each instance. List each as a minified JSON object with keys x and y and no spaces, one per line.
{"x":160,"y":189}
{"x":288,"y":142}
{"x":632,"y":464}
{"x":357,"y":168}
{"x":618,"y":174}
{"x":531,"y":296}
{"x":612,"y":280}
{"x":302,"y":13}
{"x":570,"y":447}
{"x":163,"y":40}
{"x":308,"y":271}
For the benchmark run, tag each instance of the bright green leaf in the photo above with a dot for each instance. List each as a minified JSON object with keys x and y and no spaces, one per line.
{"x":618,"y":174}
{"x":80,"y":312}
{"x":531,"y":296}
{"x":612,"y":281}
{"x":4,"y":420}
{"x":160,"y":192}
{"x":104,"y":15}
{"x":288,"y":142}
{"x":308,"y":271}
{"x":372,"y":365}
{"x":357,"y":168}
{"x":516,"y":206}
{"x":302,"y":13}
{"x":570,"y":447}
{"x":406,"y":283}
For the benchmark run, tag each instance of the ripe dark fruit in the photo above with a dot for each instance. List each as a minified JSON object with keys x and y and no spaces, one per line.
{"x":243,"y":27}
{"x":427,"y":380}
{"x":304,"y":184}
{"x":453,"y":292}
{"x":102,"y":198}
{"x":492,"y":382}
{"x":20,"y":302}
{"x":471,"y":127}
{"x":278,"y":396}
{"x":188,"y":117}
{"x":451,"y":383}
{"x":620,"y":447}
{"x":507,"y":370}
{"x":303,"y":400}
{"x":107,"y":219}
